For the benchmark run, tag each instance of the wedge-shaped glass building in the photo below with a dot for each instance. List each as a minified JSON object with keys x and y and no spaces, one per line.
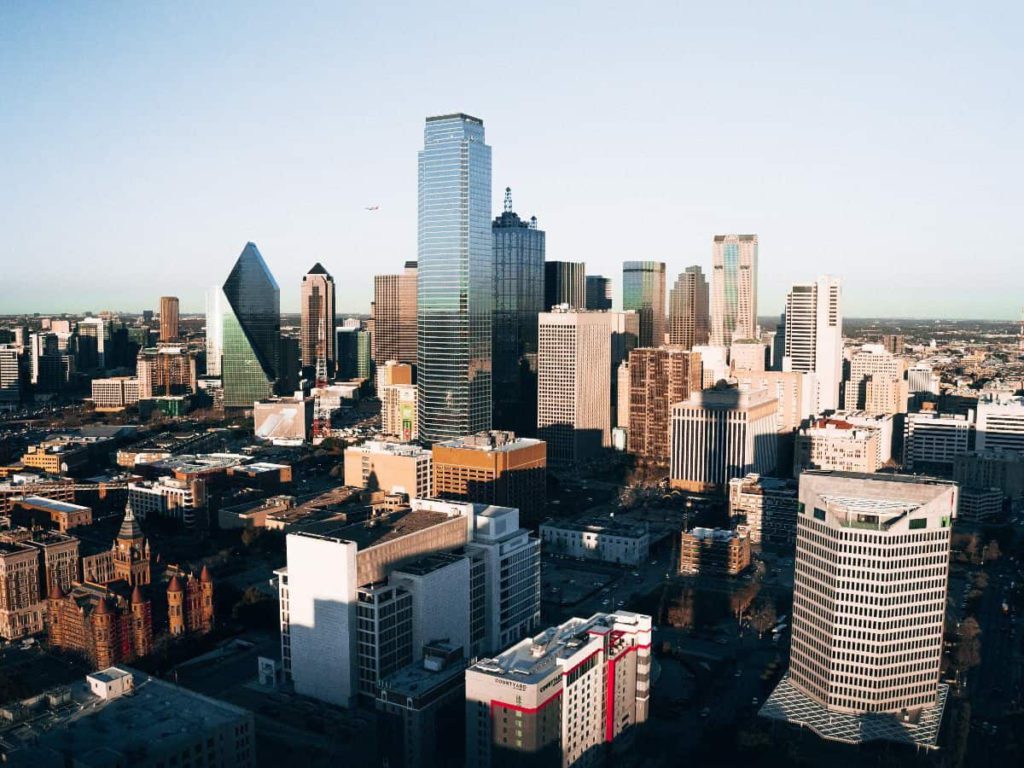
{"x":250,"y":331}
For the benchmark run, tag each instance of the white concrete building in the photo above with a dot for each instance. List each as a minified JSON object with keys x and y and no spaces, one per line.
{"x":715,"y":364}
{"x":398,"y":411}
{"x":1000,"y":423}
{"x":115,"y":393}
{"x":722,"y":433}
{"x":598,"y":538}
{"x":933,"y":440}
{"x":814,"y":337}
{"x":569,"y":693}
{"x":181,"y":500}
{"x":869,"y":599}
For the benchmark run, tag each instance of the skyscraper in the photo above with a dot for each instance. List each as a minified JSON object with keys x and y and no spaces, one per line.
{"x":394,"y":316}
{"x":869,"y":601}
{"x":659,"y":378}
{"x":565,"y":282}
{"x":599,"y":292}
{"x":814,"y":337}
{"x":643,"y":290}
{"x":317,"y":318}
{"x":689,"y":323}
{"x":168,"y":318}
{"x":733,"y":288}
{"x":455,"y":289}
{"x":518,"y":298}
{"x":93,"y":328}
{"x":214,"y":329}
{"x":251,"y":330}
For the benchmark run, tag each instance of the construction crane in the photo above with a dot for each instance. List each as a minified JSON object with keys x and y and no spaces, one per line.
{"x":321,"y":414}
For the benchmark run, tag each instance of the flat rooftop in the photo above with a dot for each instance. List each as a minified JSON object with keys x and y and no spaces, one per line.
{"x":202,"y":462}
{"x":378,"y":530}
{"x":390,"y":449}
{"x":429,"y":563}
{"x":605,"y":525}
{"x":52,"y":505}
{"x":490,"y":442}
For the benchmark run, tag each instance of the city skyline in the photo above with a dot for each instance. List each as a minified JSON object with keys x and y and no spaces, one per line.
{"x":149,"y":198}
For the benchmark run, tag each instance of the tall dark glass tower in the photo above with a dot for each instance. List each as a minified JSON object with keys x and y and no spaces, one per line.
{"x":518,"y":298}
{"x":455,"y":279}
{"x":599,"y":292}
{"x":251,"y":331}
{"x":565,"y":283}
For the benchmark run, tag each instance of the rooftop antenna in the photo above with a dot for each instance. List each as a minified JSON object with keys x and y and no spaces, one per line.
{"x":508,"y":199}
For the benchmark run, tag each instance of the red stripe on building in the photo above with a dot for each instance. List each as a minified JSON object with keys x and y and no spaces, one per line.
{"x":525,"y":710}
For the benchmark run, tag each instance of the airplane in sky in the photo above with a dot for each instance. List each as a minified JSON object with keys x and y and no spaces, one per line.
{"x":373,"y":207}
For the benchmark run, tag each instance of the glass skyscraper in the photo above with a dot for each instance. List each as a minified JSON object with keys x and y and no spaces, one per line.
{"x":250,"y":331}
{"x":643,"y":290}
{"x":733,"y":289}
{"x":455,"y":279}
{"x":518,"y":298}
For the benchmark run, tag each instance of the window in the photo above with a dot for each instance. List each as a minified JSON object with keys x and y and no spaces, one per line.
{"x":917,"y":524}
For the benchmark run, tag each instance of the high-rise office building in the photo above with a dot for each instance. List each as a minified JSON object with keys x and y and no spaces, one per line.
{"x":720,"y":434}
{"x":869,"y":604}
{"x":10,"y":374}
{"x":518,"y":299}
{"x":599,"y":292}
{"x":573,"y":400}
{"x":793,"y":391}
{"x":659,"y":378}
{"x":92,"y":328}
{"x":565,"y":282}
{"x":836,"y":444}
{"x":21,"y":605}
{"x":565,"y":697}
{"x":354,"y":350}
{"x":875,"y":382}
{"x":251,"y":331}
{"x":689,"y":320}
{"x":493,"y":468}
{"x":317,"y":320}
{"x":455,"y":296}
{"x":733,"y":288}
{"x":643,"y":290}
{"x":165,"y":370}
{"x":814,"y":337}
{"x":933,"y":440}
{"x":394,"y":316}
{"x":168,"y":318}
{"x":215,"y":303}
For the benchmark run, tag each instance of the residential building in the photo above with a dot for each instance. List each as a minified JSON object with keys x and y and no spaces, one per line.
{"x":394,"y":316}
{"x":565,"y":284}
{"x":643,"y":291}
{"x":689,"y":319}
{"x":392,"y":467}
{"x":599,"y":292}
{"x":493,"y":468}
{"x":659,"y":378}
{"x":119,"y":716}
{"x":722,"y":433}
{"x":566,"y":697}
{"x":813,"y":338}
{"x":836,"y":444}
{"x":398,"y":414}
{"x":116,"y":393}
{"x":933,"y":440}
{"x":1000,"y":424}
{"x":317,"y":320}
{"x":733,"y":289}
{"x":869,"y":607}
{"x":169,"y":318}
{"x":519,"y":284}
{"x":165,"y":370}
{"x":714,"y":552}
{"x":574,"y":404}
{"x":767,"y":506}
{"x":455,"y":297}
{"x":21,"y":606}
{"x":250,"y":331}
{"x":169,"y":498}
{"x":875,"y":382}
{"x":598,"y":538}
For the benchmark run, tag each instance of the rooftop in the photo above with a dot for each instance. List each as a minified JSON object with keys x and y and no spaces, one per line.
{"x":713,"y":534}
{"x":52,"y":505}
{"x":608,"y":525}
{"x":392,"y":449}
{"x":377,"y":530}
{"x":201,"y":462}
{"x":495,"y":440}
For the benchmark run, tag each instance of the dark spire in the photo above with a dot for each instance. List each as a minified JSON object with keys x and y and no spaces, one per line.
{"x":317,"y":269}
{"x":508,"y":199}
{"x":130,"y":528}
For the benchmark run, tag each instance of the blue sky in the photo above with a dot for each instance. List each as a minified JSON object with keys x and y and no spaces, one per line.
{"x":145,"y":143}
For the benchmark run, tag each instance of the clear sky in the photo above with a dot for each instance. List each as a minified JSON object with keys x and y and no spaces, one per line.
{"x":142,"y":144}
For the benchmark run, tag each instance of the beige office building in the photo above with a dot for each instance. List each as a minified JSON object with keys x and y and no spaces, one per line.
{"x":317,"y":319}
{"x":733,"y":289}
{"x":869,"y":605}
{"x":165,"y":370}
{"x":391,"y":467}
{"x":835,"y":444}
{"x":794,"y":393}
{"x":168,"y":318}
{"x":573,"y":399}
{"x":115,"y":393}
{"x":394,"y":315}
{"x":876,"y":382}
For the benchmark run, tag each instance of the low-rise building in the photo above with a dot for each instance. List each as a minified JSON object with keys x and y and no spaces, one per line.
{"x":714,"y":551}
{"x":283,"y":420}
{"x":566,"y":697}
{"x":598,"y":538}
{"x":767,"y":506}
{"x":933,"y":440}
{"x":51,"y":513}
{"x":991,"y":469}
{"x":837,"y":445}
{"x":390,"y":467}
{"x":980,"y":505}
{"x":168,"y":497}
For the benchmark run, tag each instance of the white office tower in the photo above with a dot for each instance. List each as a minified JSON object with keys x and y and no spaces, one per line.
{"x":933,"y":440}
{"x":215,"y":303}
{"x":733,"y":289}
{"x":1000,"y":423}
{"x":574,"y":384}
{"x":869,"y":598}
{"x":921,"y":378}
{"x":814,"y":337}
{"x":563,"y":697}
{"x":358,"y":602}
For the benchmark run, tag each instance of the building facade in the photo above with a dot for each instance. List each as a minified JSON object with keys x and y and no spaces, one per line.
{"x":658,"y":378}
{"x":21,"y":605}
{"x":689,"y":309}
{"x":317,"y":319}
{"x":394,"y":316}
{"x":643,"y":291}
{"x":836,"y":444}
{"x":455,"y":293}
{"x":813,"y":341}
{"x":875,"y":382}
{"x":398,"y":415}
{"x":713,"y":551}
{"x":767,"y":506}
{"x":933,"y":440}
{"x":733,"y":289}
{"x":116,"y":393}
{"x":165,"y":370}
{"x":565,"y":284}
{"x":604,"y":539}
{"x":392,"y":467}
{"x":599,"y":292}
{"x":168,"y":318}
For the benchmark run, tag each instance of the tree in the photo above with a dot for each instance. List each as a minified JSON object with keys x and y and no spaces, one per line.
{"x":979,"y":580}
{"x":741,"y":599}
{"x":991,"y":552}
{"x":764,"y":616}
{"x":680,"y":612}
{"x":968,"y":648}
